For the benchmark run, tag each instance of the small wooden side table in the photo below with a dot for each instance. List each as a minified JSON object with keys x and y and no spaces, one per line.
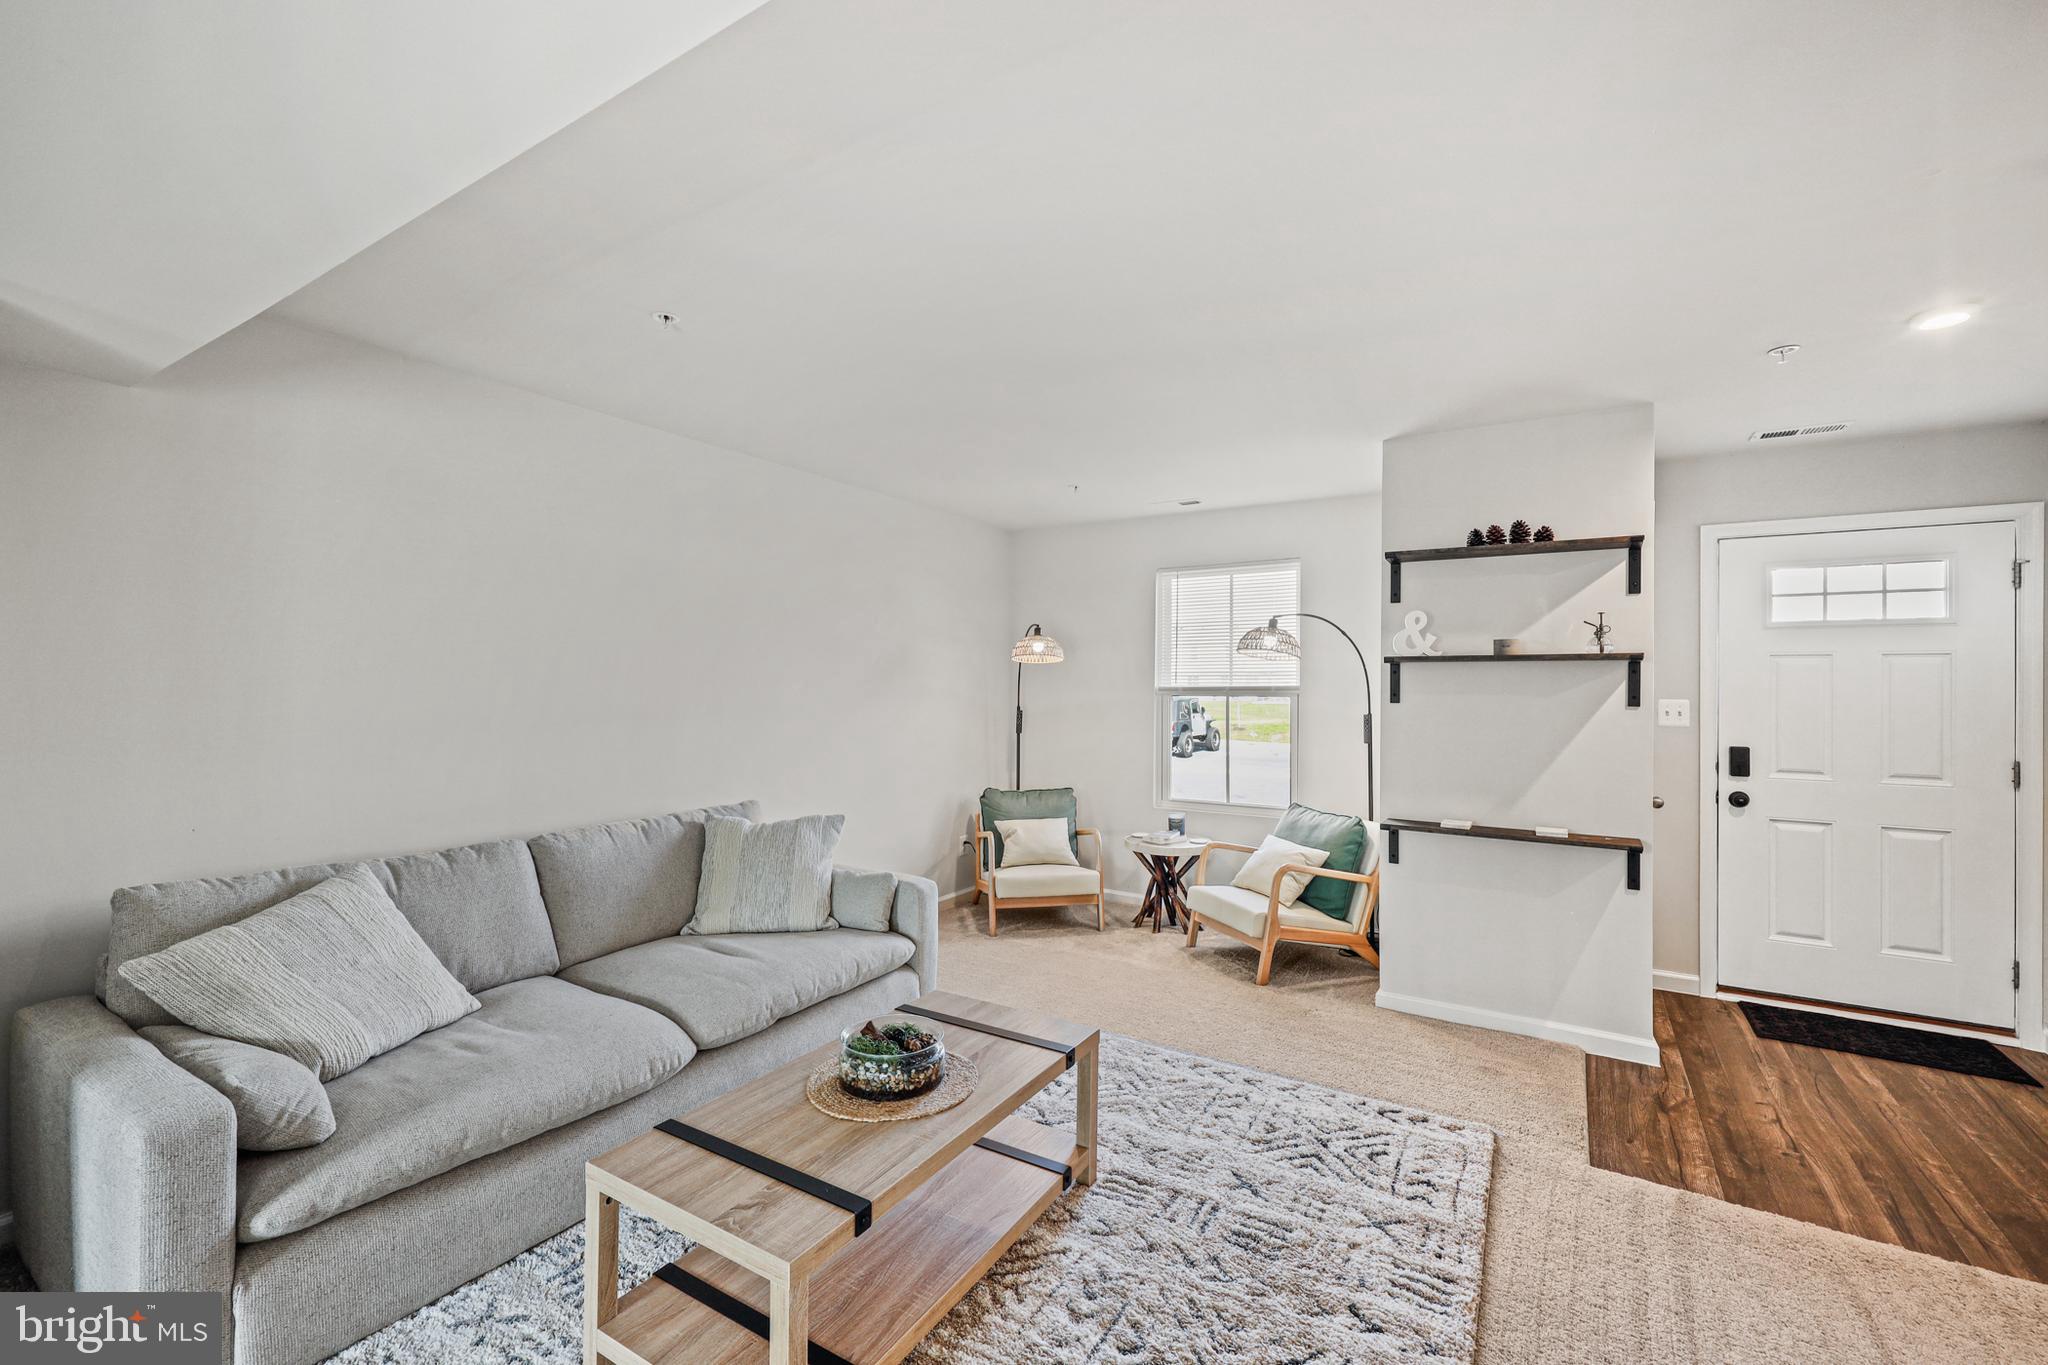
{"x":1168,"y":864}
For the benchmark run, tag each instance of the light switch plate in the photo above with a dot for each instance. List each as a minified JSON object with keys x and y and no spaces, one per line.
{"x":1674,"y":711}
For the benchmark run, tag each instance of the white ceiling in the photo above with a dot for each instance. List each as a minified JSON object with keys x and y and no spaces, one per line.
{"x":171,"y":168}
{"x":975,"y":254}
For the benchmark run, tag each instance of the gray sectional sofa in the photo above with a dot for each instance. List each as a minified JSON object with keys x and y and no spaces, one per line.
{"x":459,"y":1149}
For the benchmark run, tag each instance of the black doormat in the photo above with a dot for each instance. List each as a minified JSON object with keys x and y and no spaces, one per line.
{"x":1916,"y":1047}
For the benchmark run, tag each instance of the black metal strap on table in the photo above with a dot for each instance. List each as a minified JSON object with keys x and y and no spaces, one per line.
{"x":859,"y":1206}
{"x":1044,"y":1163}
{"x":993,"y":1030}
{"x":736,"y":1310}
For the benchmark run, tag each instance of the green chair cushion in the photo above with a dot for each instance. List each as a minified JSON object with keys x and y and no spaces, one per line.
{"x":1343,"y":838}
{"x":1033,"y":803}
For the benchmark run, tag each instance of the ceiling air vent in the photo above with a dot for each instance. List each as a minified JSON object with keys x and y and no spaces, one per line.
{"x":1781,"y":433}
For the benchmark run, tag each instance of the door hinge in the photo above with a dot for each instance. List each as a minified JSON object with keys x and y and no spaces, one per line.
{"x":2015,"y":974}
{"x":2015,"y":774}
{"x":2017,"y":566}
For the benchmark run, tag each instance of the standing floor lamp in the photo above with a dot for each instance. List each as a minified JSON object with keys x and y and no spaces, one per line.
{"x":1034,"y":648}
{"x":1271,"y":641}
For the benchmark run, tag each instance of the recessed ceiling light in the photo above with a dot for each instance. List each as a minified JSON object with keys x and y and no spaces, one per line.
{"x":1939,"y":319}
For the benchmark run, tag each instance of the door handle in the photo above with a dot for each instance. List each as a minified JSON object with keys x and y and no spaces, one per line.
{"x":1738,"y":799}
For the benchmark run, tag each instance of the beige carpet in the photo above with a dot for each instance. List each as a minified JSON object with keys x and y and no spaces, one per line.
{"x":1581,"y":1264}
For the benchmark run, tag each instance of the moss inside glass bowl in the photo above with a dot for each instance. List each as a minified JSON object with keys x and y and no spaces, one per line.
{"x":892,"y":1057}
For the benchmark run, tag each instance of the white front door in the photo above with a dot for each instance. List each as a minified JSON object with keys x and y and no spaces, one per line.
{"x":1866,"y":679}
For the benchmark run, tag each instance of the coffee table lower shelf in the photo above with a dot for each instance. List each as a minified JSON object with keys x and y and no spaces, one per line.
{"x":875,"y":1299}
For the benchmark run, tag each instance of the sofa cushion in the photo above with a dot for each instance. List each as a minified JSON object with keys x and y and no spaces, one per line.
{"x":725,"y":987}
{"x":609,"y":887}
{"x":478,"y":908}
{"x":862,"y":899}
{"x":538,"y":1054}
{"x":773,"y":878}
{"x":1343,"y":837}
{"x":279,"y":1104}
{"x":331,"y":978}
{"x":1245,"y":911}
{"x":1046,"y":879}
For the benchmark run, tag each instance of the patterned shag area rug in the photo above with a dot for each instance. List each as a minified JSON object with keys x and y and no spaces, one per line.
{"x":1237,"y":1216}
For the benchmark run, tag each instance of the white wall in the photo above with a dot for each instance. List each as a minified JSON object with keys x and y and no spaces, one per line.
{"x":1882,"y":474}
{"x":1539,"y":940}
{"x":1091,"y":723}
{"x":297,"y":600}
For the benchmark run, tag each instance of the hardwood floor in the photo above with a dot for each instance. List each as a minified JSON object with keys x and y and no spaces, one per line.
{"x":1952,"y":1165}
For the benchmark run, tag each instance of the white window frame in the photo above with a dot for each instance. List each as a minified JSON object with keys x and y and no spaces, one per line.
{"x":1162,"y":713}
{"x":1948,"y":587}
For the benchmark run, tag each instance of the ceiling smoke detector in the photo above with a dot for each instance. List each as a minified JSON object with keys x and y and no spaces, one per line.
{"x":1785,"y":433}
{"x":665,"y":321}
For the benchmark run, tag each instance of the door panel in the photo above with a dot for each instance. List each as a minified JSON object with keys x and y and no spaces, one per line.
{"x":1869,"y":860}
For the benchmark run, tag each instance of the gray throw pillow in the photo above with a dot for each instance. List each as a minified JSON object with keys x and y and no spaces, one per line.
{"x":279,"y":1104}
{"x":862,"y":900}
{"x":773,"y":878}
{"x":330,"y":978}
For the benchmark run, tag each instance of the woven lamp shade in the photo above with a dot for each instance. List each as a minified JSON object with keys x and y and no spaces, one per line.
{"x":1269,"y":642}
{"x":1037,"y":649}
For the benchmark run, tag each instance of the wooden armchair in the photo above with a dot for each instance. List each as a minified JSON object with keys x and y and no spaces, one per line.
{"x":1020,"y":888}
{"x":1264,"y":924}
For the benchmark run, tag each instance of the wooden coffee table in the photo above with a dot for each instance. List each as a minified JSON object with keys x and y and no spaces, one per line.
{"x":824,"y":1240}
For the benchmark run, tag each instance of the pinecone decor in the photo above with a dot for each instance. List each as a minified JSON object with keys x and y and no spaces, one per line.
{"x":1476,"y":537}
{"x":1496,"y":536}
{"x":1518,"y":534}
{"x":1544,"y":533}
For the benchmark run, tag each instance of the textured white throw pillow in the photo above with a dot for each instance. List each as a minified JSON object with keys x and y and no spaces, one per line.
{"x":773,"y":878}
{"x":1035,"y":843}
{"x":1275,"y":853}
{"x":330,"y":978}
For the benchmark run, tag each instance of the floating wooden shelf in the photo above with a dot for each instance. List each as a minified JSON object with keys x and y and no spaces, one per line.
{"x":1633,"y":660}
{"x":1632,"y":544}
{"x":1613,"y":843}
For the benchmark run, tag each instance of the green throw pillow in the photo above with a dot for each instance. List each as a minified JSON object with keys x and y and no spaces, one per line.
{"x":1033,"y":803}
{"x":1343,"y":838}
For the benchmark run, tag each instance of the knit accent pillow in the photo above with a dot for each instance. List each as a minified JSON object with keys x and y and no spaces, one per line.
{"x":773,"y":878}
{"x":330,"y":978}
{"x":279,"y":1105}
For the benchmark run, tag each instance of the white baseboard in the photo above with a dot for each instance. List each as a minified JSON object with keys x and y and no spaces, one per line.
{"x":1116,"y":897}
{"x":1599,"y":1042}
{"x":954,"y":899}
{"x":1685,"y":983}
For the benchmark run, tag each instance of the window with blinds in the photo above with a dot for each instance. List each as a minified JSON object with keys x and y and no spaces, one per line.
{"x":1226,"y":720}
{"x":1202,"y":612}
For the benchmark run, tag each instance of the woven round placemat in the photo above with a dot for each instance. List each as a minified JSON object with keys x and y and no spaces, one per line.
{"x":827,"y":1096}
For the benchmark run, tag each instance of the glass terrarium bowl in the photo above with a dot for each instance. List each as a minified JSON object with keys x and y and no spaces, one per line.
{"x":875,"y":1065}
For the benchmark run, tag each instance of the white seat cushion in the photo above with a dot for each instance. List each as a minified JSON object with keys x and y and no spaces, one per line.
{"x":1046,"y":879}
{"x":1245,"y":911}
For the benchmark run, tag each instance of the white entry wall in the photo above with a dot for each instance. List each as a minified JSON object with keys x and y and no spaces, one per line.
{"x":1532,"y":938}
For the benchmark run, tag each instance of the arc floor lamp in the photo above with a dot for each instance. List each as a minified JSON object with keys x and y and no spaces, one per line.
{"x":1035,"y":648}
{"x":1272,"y":641}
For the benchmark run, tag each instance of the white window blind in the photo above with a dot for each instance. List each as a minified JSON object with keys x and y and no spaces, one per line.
{"x":1202,"y":612}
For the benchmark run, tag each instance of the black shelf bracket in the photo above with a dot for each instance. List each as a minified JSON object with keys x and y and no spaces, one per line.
{"x":1393,"y":678}
{"x":1635,"y":869}
{"x":1393,"y":845}
{"x":1394,"y":581}
{"x":1635,"y":567}
{"x":1635,"y":682}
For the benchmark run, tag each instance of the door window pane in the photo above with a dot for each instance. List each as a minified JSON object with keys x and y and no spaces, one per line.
{"x":1261,"y":750}
{"x":1855,"y":578}
{"x":1794,"y":580}
{"x":1915,"y":606}
{"x":1856,"y":606}
{"x":1928,"y":574}
{"x":1785,"y":609}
